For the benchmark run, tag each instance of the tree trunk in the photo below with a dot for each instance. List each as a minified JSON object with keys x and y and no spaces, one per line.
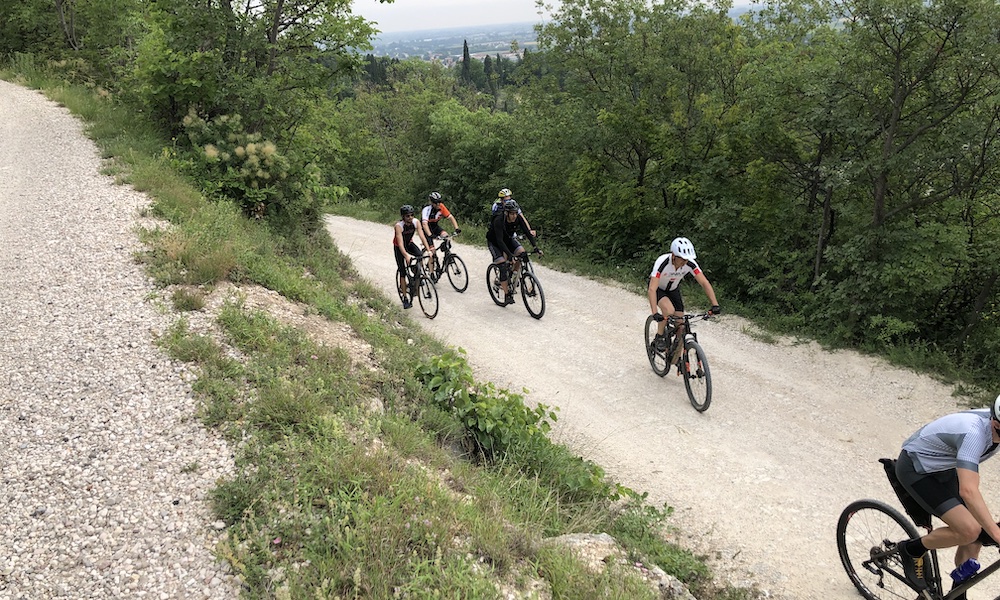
{"x":977,"y":309}
{"x":67,"y":26}
{"x":821,"y":238}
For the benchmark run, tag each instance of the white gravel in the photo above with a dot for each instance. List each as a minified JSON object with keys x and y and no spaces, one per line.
{"x":105,"y":471}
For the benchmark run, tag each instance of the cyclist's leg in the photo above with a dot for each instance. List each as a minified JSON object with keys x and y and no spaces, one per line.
{"x":437,"y":234}
{"x":664,"y":301}
{"x":500,"y":260}
{"x":938,"y":493}
{"x":400,"y":271}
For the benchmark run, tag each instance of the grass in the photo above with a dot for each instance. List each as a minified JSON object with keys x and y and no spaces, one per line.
{"x":352,"y":482}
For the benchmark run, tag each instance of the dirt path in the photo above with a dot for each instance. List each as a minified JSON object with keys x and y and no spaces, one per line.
{"x":759,"y":480}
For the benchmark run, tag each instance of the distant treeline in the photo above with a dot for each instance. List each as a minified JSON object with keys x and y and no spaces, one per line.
{"x":834,"y":162}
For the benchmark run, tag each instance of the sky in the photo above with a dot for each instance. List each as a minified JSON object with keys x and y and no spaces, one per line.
{"x":414,"y":15}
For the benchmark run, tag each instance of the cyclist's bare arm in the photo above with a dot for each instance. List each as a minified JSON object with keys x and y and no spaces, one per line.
{"x":968,"y":488}
{"x":651,"y":292}
{"x":423,"y":239}
{"x":705,"y":285}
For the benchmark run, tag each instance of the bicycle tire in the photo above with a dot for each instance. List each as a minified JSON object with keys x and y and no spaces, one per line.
{"x":532,"y":295}
{"x":458,"y":275}
{"x":869,"y":527}
{"x":427,"y":296}
{"x":657,"y":359}
{"x":493,"y":284}
{"x":697,"y":376}
{"x":403,"y":294}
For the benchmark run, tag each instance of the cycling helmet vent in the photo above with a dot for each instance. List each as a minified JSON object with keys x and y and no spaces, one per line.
{"x":406,"y":209}
{"x":683,"y":248}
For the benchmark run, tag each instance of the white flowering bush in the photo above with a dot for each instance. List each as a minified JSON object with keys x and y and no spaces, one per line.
{"x":240,"y":165}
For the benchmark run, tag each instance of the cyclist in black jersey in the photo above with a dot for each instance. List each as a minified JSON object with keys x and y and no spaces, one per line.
{"x":503,"y":196}
{"x":504,"y":246}
{"x":403,"y":246}
{"x":939,"y":467}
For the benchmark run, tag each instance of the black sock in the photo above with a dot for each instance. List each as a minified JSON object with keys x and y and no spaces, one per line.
{"x":915,"y":548}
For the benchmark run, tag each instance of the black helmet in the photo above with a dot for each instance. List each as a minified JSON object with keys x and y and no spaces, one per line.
{"x":995,"y":409}
{"x":511,"y":205}
{"x":406,"y":209}
{"x":434,"y":197}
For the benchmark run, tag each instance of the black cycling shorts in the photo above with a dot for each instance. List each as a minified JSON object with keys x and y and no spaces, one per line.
{"x":673,"y":295}
{"x":936,"y":492}
{"x":413,"y":250}
{"x":499,"y":252}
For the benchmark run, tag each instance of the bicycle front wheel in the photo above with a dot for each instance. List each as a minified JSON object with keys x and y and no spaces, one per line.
{"x":657,"y":359}
{"x":458,"y":276}
{"x":493,"y":284}
{"x":697,"y":378}
{"x":532,"y":294}
{"x":428,"y":297}
{"x":402,"y":288}
{"x":866,"y":531}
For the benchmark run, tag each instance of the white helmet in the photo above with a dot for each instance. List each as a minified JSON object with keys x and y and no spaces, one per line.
{"x":995,"y":409}
{"x":683,"y":248}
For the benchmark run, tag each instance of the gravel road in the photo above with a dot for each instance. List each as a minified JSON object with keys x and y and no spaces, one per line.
{"x":104,"y":471}
{"x":758,"y":481}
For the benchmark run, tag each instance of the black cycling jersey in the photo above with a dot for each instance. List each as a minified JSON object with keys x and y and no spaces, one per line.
{"x":501,"y":232}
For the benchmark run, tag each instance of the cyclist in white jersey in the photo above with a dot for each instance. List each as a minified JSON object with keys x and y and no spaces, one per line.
{"x":664,"y":291}
{"x":939,"y":467}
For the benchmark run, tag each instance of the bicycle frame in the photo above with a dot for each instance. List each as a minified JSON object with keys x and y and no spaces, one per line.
{"x":686,"y":320}
{"x":935,"y":585}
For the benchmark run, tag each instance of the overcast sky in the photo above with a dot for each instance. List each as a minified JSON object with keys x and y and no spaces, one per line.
{"x":413,"y":15}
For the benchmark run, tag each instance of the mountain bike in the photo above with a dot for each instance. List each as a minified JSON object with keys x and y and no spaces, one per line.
{"x":867,"y":534}
{"x":450,"y":263}
{"x":523,"y":278}
{"x":692,"y":363}
{"x":417,"y":283}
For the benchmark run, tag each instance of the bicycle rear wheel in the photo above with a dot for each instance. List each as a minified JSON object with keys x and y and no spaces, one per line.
{"x":458,"y":276}
{"x":533,"y":296}
{"x":657,"y":359}
{"x":493,"y":284}
{"x":866,"y":530}
{"x":428,"y":297}
{"x":697,"y":377}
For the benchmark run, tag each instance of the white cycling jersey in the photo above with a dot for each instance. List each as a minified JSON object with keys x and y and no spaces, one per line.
{"x":669,"y":277}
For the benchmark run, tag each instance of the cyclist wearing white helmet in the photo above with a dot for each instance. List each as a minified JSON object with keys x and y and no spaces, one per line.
{"x":939,"y":467}
{"x":664,"y":288}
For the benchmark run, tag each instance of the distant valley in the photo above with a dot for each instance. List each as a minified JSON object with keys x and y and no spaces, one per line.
{"x":446,"y":45}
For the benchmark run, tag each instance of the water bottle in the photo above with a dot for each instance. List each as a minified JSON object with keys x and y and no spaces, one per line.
{"x":965,"y":570}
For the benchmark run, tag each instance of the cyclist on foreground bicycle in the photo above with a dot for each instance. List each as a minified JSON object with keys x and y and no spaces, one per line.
{"x":665,"y":294}
{"x":503,"y":196}
{"x":404,"y":248}
{"x":939,"y":466}
{"x":503,"y":245}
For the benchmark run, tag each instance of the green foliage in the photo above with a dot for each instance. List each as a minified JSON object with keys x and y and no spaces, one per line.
{"x":502,"y":428}
{"x":496,"y":419}
{"x":171,"y":81}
